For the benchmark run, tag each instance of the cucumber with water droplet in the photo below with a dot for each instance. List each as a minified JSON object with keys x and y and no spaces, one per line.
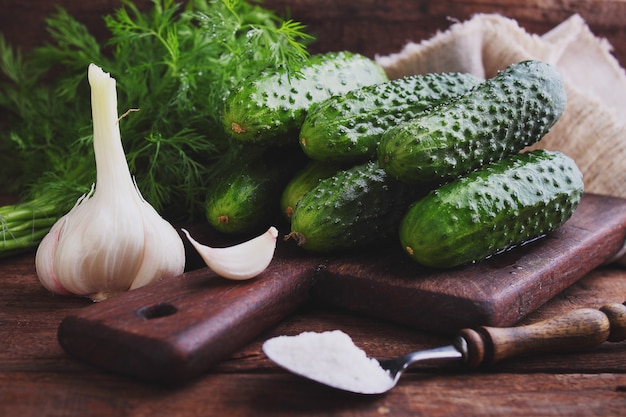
{"x":246,"y":198}
{"x":271,"y":106}
{"x":348,"y":127}
{"x":497,"y":118}
{"x":495,"y":208}
{"x":304,"y":181}
{"x":354,"y":208}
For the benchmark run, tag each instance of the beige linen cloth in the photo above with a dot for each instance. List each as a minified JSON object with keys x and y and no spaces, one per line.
{"x":592,"y":130}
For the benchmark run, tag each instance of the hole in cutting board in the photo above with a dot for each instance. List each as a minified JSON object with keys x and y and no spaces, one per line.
{"x":156,"y":311}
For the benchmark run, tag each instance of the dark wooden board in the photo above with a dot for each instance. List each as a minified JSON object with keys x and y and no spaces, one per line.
{"x":496,"y":292}
{"x":173,"y":330}
{"x":176,"y":329}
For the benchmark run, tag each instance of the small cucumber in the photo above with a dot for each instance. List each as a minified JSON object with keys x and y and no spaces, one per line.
{"x":247,"y":197}
{"x":271,"y":106}
{"x":304,"y":181}
{"x":501,"y":205}
{"x":354,"y":208}
{"x":348,"y":127}
{"x":499,"y":117}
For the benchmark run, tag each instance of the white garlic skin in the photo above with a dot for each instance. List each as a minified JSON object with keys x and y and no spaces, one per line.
{"x":239,"y":262}
{"x":44,"y":260}
{"x":112,"y":240}
{"x":98,"y":253}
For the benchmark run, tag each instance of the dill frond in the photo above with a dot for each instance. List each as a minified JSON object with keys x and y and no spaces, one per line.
{"x":174,"y":63}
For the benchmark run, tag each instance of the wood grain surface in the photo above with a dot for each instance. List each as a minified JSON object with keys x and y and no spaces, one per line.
{"x":367,"y":26}
{"x":497,"y":292}
{"x":37,"y":378}
{"x":178,"y":328}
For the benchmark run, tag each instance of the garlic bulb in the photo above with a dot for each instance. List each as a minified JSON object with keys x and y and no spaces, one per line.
{"x":243,"y":261}
{"x":112,"y":240}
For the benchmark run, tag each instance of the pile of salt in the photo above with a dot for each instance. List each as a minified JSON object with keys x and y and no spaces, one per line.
{"x":330,"y":358}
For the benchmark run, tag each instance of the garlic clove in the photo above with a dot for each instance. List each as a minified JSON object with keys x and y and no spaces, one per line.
{"x":239,"y":262}
{"x":100,"y":248}
{"x":160,"y":238}
{"x":44,"y":259}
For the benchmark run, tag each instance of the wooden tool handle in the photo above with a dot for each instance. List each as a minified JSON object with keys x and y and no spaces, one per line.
{"x":577,"y":330}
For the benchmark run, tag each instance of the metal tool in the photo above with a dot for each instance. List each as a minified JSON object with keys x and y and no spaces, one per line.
{"x":577,"y":330}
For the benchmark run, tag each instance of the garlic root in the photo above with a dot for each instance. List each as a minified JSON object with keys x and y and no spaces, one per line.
{"x":239,"y":262}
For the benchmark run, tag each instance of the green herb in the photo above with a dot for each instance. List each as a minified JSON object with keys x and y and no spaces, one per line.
{"x":174,"y":65}
{"x":22,"y":223}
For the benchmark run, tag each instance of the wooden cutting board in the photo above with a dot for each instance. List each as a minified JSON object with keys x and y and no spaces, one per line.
{"x":497,"y":292}
{"x":176,"y":329}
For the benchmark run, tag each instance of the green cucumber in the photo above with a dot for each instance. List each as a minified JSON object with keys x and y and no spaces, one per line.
{"x":271,"y":106}
{"x":354,"y":208}
{"x":495,"y":208}
{"x":246,"y":198}
{"x":304,"y":181}
{"x":348,"y":127}
{"x":499,"y":117}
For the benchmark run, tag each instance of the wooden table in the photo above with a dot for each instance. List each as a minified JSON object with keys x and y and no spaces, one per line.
{"x":366,"y":26}
{"x":38,"y":379}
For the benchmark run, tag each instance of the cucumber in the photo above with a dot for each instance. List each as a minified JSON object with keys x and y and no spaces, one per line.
{"x":270,"y":107}
{"x":304,"y":181}
{"x":348,"y":127}
{"x":497,"y":207}
{"x":352,"y":209}
{"x":247,"y":197}
{"x":499,"y":117}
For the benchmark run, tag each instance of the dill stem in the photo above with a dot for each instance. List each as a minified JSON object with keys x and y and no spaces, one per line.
{"x":23,"y":225}
{"x":27,"y":225}
{"x":26,"y":211}
{"x":21,"y":244}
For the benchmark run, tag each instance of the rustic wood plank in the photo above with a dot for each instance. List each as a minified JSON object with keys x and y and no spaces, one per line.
{"x":363,"y":26}
{"x":367,"y":27}
{"x":207,"y":318}
{"x":496,"y":292}
{"x":196,"y":332}
{"x":35,"y":374}
{"x":278,"y":394}
{"x":382,"y":338}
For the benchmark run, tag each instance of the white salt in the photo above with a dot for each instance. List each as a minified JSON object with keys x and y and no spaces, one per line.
{"x":330,"y":358}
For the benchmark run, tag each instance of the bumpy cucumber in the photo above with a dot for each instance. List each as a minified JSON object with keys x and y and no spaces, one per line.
{"x":349,"y":127}
{"x":499,"y":117}
{"x":354,"y":208}
{"x":247,"y":197}
{"x":304,"y":181}
{"x":490,"y":210}
{"x":271,"y":106}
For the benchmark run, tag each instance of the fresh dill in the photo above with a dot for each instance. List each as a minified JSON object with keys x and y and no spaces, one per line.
{"x":174,"y":64}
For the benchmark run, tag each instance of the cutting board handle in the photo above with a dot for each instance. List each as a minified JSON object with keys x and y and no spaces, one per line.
{"x":174,"y":330}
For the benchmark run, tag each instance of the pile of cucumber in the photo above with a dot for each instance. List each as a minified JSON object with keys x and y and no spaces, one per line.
{"x":436,"y":161}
